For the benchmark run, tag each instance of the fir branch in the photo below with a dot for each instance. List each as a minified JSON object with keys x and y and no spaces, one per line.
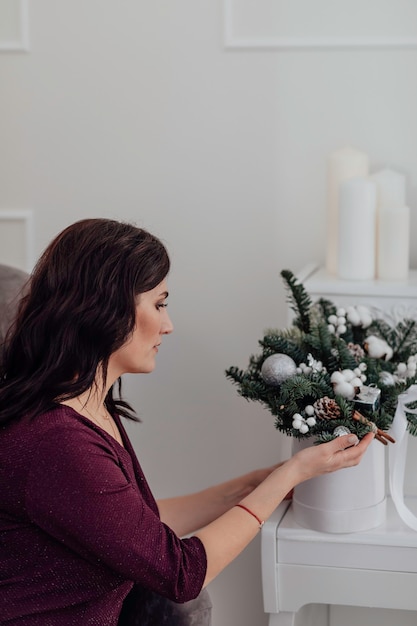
{"x":320,"y":343}
{"x":255,"y":364}
{"x":342,"y":355}
{"x":235,"y":374}
{"x":412,"y":423}
{"x":324,"y":437}
{"x":374,"y":367}
{"x":300,"y":390}
{"x":309,"y":341}
{"x":275,"y":343}
{"x":345,"y":407}
{"x":254,"y":390}
{"x":411,"y":418}
{"x":406,"y":339}
{"x":325,"y":307}
{"x":299,"y":300}
{"x":382,"y":329}
{"x":323,"y":379}
{"x":382,"y":417}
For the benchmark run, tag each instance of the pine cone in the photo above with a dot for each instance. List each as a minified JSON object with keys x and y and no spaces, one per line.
{"x":356,"y":351}
{"x":326,"y":409}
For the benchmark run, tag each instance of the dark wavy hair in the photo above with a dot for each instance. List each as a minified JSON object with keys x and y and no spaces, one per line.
{"x":78,"y":309}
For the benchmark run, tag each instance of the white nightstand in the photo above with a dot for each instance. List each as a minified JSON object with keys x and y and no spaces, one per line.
{"x":376,"y":568}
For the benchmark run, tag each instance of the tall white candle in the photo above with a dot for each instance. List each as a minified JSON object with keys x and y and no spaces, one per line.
{"x":393,"y":226}
{"x":342,"y":165}
{"x":357,"y":229}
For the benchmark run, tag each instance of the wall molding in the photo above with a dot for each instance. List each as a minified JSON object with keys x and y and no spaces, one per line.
{"x":18,"y":38}
{"x":233,"y":40}
{"x":23,"y":252}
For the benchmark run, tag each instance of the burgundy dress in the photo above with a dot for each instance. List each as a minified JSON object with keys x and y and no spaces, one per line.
{"x":80,"y":529}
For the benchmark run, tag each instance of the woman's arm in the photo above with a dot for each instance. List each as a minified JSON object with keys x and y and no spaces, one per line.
{"x":186,"y":514}
{"x":228,"y":535}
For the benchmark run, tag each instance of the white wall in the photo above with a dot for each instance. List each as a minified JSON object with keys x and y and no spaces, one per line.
{"x":135,"y":110}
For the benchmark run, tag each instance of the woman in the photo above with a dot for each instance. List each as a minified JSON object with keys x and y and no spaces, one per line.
{"x":82,"y":539}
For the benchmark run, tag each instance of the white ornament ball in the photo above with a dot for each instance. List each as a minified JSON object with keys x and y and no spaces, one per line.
{"x":309,"y":410}
{"x":311,"y":421}
{"x":277,"y":368}
{"x":304,"y":429}
{"x":386,"y":378}
{"x":356,"y":382}
{"x":337,"y":377}
{"x":348,"y":375}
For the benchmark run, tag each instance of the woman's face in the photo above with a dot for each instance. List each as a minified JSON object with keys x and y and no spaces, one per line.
{"x":137,"y":355}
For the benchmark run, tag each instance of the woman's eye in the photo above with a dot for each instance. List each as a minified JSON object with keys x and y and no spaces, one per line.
{"x":161,"y":305}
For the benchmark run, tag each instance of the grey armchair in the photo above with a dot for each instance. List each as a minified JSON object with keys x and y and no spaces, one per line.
{"x":145,"y":608}
{"x":12,"y":282}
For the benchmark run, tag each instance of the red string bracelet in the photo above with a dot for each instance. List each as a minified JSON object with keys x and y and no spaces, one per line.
{"x":245,"y":508}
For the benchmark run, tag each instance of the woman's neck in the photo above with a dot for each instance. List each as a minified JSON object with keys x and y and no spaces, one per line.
{"x":91,"y":404}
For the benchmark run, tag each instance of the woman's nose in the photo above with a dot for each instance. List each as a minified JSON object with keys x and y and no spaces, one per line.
{"x":167,"y":326}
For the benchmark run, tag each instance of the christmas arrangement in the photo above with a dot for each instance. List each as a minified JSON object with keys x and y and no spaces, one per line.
{"x":333,"y":371}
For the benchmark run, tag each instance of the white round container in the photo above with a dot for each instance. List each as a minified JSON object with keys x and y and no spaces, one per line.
{"x":345,"y":501}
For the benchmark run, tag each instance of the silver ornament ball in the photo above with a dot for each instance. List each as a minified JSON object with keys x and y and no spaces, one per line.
{"x":277,"y":368}
{"x":339,"y":431}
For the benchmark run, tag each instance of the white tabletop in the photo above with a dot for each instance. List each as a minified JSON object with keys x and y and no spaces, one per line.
{"x":317,"y":279}
{"x":390,"y":547}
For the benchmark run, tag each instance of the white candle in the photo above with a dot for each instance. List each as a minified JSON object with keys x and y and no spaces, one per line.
{"x":357,"y":229}
{"x":393,"y":226}
{"x":393,"y":244}
{"x":342,"y":165}
{"x":390,"y":188}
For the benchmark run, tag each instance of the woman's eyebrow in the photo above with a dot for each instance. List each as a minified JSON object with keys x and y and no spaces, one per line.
{"x":164,"y":294}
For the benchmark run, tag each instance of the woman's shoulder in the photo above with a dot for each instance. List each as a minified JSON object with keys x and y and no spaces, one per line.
{"x":65,"y":425}
{"x":57,"y":431}
{"x":55,"y":419}
{"x":59,"y":416}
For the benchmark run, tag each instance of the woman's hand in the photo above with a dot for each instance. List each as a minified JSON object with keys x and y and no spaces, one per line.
{"x":226,"y":536}
{"x":339,"y":453}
